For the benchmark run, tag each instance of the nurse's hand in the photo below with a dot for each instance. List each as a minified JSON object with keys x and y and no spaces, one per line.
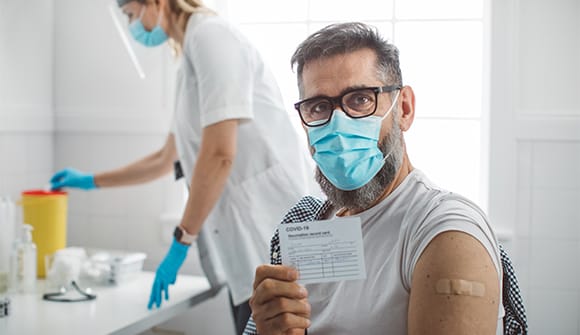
{"x":72,"y":178}
{"x":167,"y":273}
{"x":279,"y":304}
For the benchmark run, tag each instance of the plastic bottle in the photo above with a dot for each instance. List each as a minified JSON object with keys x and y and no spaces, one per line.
{"x":24,"y":262}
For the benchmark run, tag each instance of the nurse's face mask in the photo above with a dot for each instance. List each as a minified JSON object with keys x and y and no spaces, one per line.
{"x":153,"y":38}
{"x":345,"y":141}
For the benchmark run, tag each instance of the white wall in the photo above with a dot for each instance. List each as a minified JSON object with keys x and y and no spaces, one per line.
{"x":535,"y":153}
{"x":26,"y":113}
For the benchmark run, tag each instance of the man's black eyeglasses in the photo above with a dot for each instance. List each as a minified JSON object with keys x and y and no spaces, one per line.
{"x":356,"y":103}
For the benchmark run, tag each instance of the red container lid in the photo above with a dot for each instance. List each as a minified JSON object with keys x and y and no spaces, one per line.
{"x":43,"y":192}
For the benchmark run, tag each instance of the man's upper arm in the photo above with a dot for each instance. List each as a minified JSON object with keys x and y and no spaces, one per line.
{"x":455,"y":288}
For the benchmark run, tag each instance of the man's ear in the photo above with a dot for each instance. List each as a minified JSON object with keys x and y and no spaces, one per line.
{"x":406,"y":108}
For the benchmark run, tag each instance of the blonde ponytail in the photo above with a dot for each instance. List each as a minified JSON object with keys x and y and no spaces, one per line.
{"x":192,"y":6}
{"x":183,"y":9}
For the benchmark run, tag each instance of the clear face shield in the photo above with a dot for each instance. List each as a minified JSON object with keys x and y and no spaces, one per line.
{"x":145,"y":47}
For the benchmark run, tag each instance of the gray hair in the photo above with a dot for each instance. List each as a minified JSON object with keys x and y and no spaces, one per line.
{"x":342,"y":38}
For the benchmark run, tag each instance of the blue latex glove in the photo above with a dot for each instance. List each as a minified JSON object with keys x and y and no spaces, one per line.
{"x":72,"y":178}
{"x":167,"y":272}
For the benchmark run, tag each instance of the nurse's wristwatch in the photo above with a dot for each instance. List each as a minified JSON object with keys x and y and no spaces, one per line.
{"x":182,"y":236}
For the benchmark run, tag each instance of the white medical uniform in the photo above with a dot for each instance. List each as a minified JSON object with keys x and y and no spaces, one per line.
{"x":223,"y":77}
{"x":395,"y":232}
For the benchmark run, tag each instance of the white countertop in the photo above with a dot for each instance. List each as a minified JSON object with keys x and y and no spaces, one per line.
{"x":120,"y":309}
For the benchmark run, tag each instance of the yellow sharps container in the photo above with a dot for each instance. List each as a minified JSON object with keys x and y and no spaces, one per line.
{"x":46,"y":211}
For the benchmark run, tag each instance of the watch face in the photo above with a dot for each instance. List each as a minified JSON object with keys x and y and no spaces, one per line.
{"x":178,"y":233}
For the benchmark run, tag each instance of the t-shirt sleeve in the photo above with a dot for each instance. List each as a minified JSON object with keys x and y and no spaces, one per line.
{"x":455,"y":214}
{"x":222,"y":62}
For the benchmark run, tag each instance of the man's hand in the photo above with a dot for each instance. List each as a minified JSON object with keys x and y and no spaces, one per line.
{"x":279,"y":304}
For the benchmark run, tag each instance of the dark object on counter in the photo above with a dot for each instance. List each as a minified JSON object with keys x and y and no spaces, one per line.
{"x":4,"y":307}
{"x":60,"y":295}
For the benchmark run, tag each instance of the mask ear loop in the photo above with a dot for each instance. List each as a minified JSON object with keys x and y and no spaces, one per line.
{"x":384,"y":116}
{"x":392,"y":105}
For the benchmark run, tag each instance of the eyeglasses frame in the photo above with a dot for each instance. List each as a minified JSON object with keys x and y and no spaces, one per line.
{"x":337,"y":101}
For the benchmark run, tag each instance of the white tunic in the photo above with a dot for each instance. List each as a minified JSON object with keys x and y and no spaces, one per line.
{"x":395,"y":233}
{"x":223,"y":77}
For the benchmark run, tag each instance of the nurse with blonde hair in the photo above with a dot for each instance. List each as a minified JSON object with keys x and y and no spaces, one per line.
{"x":234,"y":142}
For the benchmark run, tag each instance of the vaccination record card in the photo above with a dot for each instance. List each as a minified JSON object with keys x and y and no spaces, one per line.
{"x":324,"y":251}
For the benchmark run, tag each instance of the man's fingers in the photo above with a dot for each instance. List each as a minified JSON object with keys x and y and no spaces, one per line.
{"x":294,"y":331}
{"x":280,"y":306}
{"x":270,"y":289}
{"x":286,"y":323}
{"x":279,"y":303}
{"x":280,"y":272}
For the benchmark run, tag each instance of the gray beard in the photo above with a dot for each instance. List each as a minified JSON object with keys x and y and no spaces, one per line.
{"x":363,"y":197}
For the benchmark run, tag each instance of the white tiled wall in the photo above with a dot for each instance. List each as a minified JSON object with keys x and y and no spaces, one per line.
{"x":25,"y":161}
{"x":548,"y":234}
{"x":535,"y":153}
{"x":26,"y":113}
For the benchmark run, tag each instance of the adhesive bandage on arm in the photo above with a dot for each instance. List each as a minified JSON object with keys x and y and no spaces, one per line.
{"x":460,"y":287}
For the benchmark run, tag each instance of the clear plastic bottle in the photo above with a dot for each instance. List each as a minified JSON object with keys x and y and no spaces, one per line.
{"x":24,"y":262}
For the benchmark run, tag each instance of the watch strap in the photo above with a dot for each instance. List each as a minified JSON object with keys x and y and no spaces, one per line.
{"x":182,"y":236}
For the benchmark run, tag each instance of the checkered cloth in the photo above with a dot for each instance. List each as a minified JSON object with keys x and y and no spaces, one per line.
{"x":310,"y":209}
{"x":514,"y":320}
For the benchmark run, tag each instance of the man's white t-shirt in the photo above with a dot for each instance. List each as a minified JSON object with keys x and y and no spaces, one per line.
{"x":222,"y":77}
{"x":395,"y":233}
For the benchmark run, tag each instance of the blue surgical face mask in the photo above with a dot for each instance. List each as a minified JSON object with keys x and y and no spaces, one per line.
{"x":151,"y":38}
{"x":346,"y":149}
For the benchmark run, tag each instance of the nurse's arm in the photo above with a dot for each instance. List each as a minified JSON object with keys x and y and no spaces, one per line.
{"x":148,"y":168}
{"x":455,"y":288}
{"x":210,"y":173}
